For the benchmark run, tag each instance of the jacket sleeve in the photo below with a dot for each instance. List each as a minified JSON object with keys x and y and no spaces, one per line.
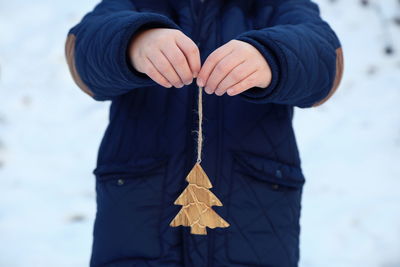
{"x":303,"y":52}
{"x":96,"y":48}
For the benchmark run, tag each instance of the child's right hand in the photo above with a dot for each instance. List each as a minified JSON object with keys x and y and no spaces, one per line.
{"x":167,"y":56}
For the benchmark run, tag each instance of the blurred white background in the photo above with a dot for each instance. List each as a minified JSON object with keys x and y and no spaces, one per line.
{"x":50,"y":132}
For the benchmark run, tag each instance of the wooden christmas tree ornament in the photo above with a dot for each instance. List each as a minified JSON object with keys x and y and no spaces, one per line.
{"x":196,"y":200}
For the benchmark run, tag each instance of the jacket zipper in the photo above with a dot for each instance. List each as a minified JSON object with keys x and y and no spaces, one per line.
{"x":198,"y":40}
{"x":197,"y":16}
{"x":211,"y":240}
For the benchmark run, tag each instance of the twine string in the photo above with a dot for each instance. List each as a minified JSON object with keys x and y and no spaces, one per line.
{"x":200,"y":131}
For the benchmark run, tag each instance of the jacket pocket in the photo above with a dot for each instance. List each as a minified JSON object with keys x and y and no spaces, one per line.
{"x":264,"y":210}
{"x":129,"y":211}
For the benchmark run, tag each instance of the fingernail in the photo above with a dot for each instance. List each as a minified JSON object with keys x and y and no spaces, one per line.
{"x":230,"y":91}
{"x":200,"y":82}
{"x":207,"y":90}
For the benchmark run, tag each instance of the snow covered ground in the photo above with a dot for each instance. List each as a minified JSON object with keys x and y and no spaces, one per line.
{"x":50,"y":132}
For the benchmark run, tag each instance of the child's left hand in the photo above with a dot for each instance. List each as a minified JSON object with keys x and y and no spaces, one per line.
{"x":234,"y":68}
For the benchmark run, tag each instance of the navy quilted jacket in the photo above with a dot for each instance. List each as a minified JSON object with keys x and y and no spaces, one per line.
{"x":250,"y":151}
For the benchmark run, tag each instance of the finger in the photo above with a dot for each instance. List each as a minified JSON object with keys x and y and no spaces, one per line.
{"x":210,"y":63}
{"x":236,"y":75}
{"x":155,"y":75}
{"x":179,"y":62}
{"x":164,"y":66}
{"x":192,"y":54}
{"x":245,"y":84}
{"x":221,"y":70}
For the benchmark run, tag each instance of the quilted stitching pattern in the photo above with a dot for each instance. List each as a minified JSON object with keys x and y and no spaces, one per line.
{"x":261,"y":228}
{"x":261,"y":191}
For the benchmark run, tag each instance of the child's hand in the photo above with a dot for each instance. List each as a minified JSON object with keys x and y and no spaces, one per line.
{"x":167,"y":56}
{"x":233,"y":68}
